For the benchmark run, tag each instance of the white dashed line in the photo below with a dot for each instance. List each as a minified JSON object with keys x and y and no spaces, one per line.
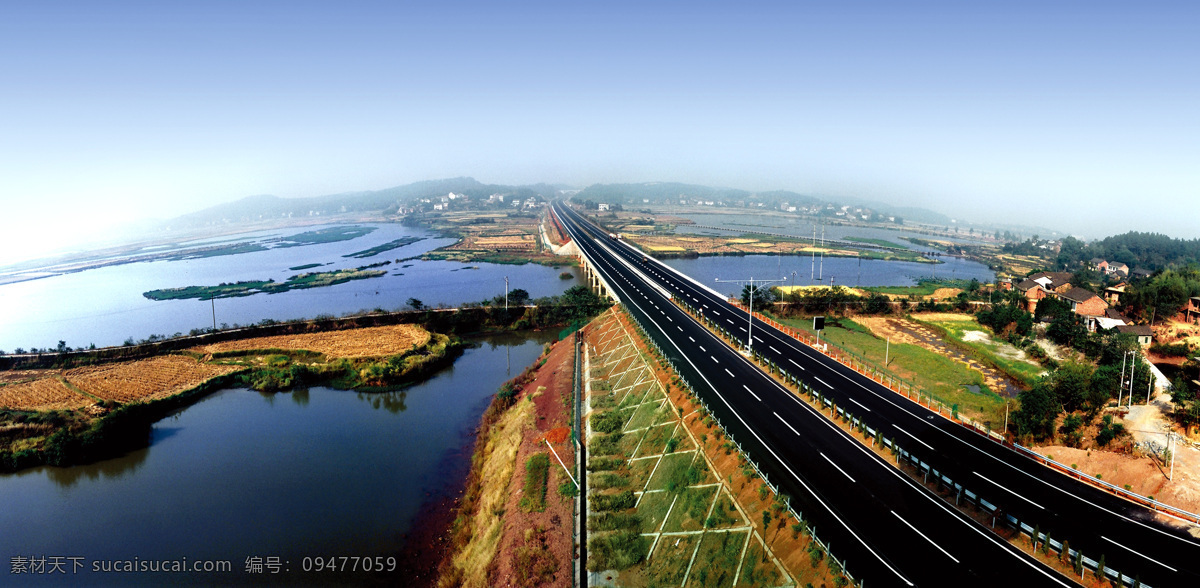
{"x":774,"y":349}
{"x":714,"y":359}
{"x":729,"y":372}
{"x":797,"y":365}
{"x":859,"y":405}
{"x":752,"y":393}
{"x":823,"y":382}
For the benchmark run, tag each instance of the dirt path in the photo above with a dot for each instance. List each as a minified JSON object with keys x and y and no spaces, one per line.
{"x":904,"y":331}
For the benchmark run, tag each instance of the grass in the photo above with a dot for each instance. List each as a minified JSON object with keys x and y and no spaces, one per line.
{"x":671,"y":469}
{"x":537,"y":472}
{"x":618,"y":550}
{"x":249,"y":288}
{"x":644,"y":416}
{"x":717,"y":559}
{"x":653,"y":509}
{"x":691,"y":509}
{"x":932,"y":373}
{"x":390,"y":245}
{"x":883,"y":242}
{"x":756,"y":570}
{"x":498,"y":458}
{"x":955,"y":330}
{"x":923,"y":288}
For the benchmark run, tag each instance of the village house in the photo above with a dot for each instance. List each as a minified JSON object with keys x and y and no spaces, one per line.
{"x":1191,"y":311}
{"x":1113,"y":293}
{"x":1042,"y":284}
{"x":1143,"y":333}
{"x":1084,"y":302}
{"x":1099,"y":265}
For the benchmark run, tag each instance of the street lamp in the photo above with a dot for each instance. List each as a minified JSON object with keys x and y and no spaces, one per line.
{"x":750,"y":313}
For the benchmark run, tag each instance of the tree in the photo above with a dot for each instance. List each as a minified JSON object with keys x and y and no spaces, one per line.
{"x":1072,"y":384}
{"x":763,"y":296}
{"x":1039,"y":408}
{"x":415,"y":304}
{"x":518,"y":297}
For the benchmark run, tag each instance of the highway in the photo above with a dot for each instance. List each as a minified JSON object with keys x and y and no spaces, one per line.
{"x":888,"y":529}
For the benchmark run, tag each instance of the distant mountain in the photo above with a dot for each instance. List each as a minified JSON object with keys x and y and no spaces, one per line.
{"x":253,"y":208}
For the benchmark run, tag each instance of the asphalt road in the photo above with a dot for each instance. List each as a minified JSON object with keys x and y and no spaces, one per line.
{"x":888,"y":529}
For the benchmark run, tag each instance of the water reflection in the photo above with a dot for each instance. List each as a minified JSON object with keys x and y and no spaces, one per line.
{"x":300,"y":396}
{"x":109,"y":469}
{"x":392,"y":401}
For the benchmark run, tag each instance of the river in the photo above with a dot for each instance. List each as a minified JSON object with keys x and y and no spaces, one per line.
{"x":105,"y":306}
{"x":240,"y":474}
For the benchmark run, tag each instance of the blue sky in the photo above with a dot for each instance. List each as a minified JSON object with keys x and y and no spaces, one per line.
{"x":1082,"y":116}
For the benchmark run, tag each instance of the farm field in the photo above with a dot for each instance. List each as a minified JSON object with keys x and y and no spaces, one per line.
{"x":47,"y":393}
{"x":145,"y":379}
{"x":367,"y":342}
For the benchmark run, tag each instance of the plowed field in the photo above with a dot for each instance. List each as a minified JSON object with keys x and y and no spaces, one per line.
{"x":146,"y":379}
{"x":368,"y":342}
{"x":43,"y":394}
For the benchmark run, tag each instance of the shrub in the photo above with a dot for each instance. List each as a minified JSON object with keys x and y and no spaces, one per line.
{"x":605,"y":502}
{"x":537,"y":472}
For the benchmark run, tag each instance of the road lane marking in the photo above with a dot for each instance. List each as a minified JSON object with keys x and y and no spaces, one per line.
{"x":691,"y":339}
{"x":714,"y":359}
{"x":681,"y":330}
{"x":1141,"y":554}
{"x":914,"y":437}
{"x":774,"y":349}
{"x":1011,"y":492}
{"x":752,"y":393}
{"x":785,"y":423}
{"x":729,"y":321}
{"x":703,"y":349}
{"x":838,"y":469}
{"x":757,"y":339}
{"x":729,"y":372}
{"x":823,"y":382}
{"x":860,"y":406}
{"x":926,"y":537}
{"x":797,"y":365}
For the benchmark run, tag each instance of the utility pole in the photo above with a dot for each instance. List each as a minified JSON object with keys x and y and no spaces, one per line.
{"x":1121,"y":384}
{"x":505,"y":293}
{"x":822,"y":270}
{"x":1005,"y":417}
{"x":812,"y":276}
{"x":214,"y":310}
{"x":887,"y":350}
{"x":750,"y":312}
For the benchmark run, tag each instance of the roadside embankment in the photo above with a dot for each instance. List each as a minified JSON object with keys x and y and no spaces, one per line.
{"x":514,"y":522}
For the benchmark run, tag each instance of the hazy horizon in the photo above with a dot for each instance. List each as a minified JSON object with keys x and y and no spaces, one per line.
{"x":1080,"y":119}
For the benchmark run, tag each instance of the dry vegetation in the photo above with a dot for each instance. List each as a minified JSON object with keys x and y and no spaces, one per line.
{"x":47,"y":393}
{"x":367,"y":342}
{"x":146,"y":379}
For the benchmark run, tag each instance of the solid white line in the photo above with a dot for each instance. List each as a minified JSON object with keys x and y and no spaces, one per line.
{"x":823,"y":382}
{"x":1141,"y":554}
{"x":772,"y":348}
{"x":785,"y":423}
{"x":931,"y":542}
{"x":1011,"y":492}
{"x":729,"y":372}
{"x":752,"y":393}
{"x":797,"y":365}
{"x":838,"y":469}
{"x":914,"y":437}
{"x":860,"y":406}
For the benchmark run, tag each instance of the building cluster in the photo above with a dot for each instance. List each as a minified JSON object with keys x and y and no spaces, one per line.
{"x":1096,"y":311}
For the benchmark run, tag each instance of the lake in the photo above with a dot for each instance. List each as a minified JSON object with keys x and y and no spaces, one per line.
{"x":240,"y":474}
{"x":843,"y":271}
{"x":105,"y":306}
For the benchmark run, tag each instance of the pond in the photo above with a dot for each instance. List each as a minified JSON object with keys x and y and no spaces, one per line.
{"x":318,"y":472}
